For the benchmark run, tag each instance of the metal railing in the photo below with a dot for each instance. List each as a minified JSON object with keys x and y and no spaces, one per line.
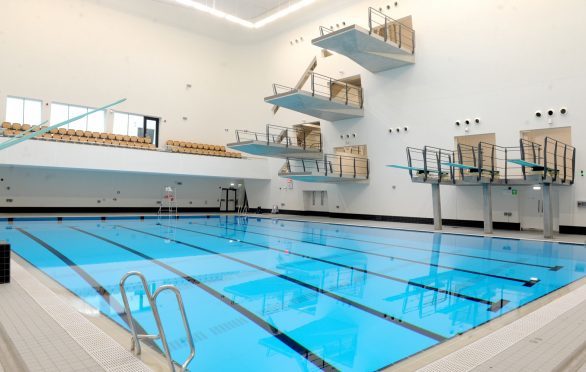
{"x":152,"y":299}
{"x":325,"y":30}
{"x":331,"y":165}
{"x":333,"y":89}
{"x":468,"y":163}
{"x":290,"y":137}
{"x":391,"y":30}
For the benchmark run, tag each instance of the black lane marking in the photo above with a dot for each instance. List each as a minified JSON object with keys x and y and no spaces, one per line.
{"x":384,"y":276}
{"x":526,"y":283}
{"x":107,"y":296}
{"x":551,"y":268}
{"x":294,"y":345}
{"x":369,"y":310}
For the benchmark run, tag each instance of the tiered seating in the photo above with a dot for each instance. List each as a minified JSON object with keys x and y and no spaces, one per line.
{"x":200,"y":149}
{"x":80,"y":136}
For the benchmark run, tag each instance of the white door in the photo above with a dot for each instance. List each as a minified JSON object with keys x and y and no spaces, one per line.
{"x":531,"y":207}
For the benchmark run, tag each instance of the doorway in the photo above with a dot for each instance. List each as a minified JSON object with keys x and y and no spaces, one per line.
{"x":228,"y":200}
{"x":531,"y":207}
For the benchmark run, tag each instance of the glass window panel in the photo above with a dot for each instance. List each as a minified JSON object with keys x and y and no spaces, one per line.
{"x":80,"y":124}
{"x":135,"y":124}
{"x":120,"y":123}
{"x":14,"y":109}
{"x":151,"y":132}
{"x":32,"y":112}
{"x":96,"y":122}
{"x":59,"y":113}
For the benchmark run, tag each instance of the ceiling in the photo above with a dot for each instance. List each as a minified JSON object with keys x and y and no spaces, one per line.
{"x":249,"y":10}
{"x":171,"y":13}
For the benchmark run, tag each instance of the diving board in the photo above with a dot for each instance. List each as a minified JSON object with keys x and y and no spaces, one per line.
{"x":461,"y":166}
{"x":421,"y":170}
{"x":525,"y":163}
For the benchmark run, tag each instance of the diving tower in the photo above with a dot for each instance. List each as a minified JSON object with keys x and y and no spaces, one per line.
{"x":549,"y":164}
{"x":323,"y":97}
{"x":300,"y":141}
{"x":386,"y":44}
{"x":333,"y":168}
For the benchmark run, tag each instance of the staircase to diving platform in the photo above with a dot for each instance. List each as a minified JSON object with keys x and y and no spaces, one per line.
{"x":300,"y":141}
{"x":323,"y":97}
{"x":386,"y":44}
{"x":332,"y":168}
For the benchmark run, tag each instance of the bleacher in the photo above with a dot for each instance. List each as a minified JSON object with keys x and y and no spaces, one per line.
{"x":200,"y":149}
{"x":80,"y":136}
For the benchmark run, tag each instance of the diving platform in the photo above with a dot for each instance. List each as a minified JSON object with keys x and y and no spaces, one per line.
{"x":325,"y":98}
{"x":386,"y":44}
{"x":549,"y":164}
{"x":299,"y":141}
{"x":331,"y":169}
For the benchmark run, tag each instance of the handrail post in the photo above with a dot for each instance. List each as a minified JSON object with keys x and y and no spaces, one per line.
{"x":268,"y":135}
{"x":317,"y":165}
{"x":354,"y":167}
{"x":400,"y":38}
{"x":386,"y":33}
{"x":304,"y":140}
{"x":555,"y":162}
{"x":492,"y":163}
{"x":369,"y":21}
{"x":544,"y":160}
{"x":522,"y":149}
{"x":425,"y":164}
{"x":346,"y":93}
{"x":367,"y":168}
{"x":287,"y":138}
{"x":238,"y":136}
{"x":340,"y":166}
{"x":506,"y":166}
{"x":288,"y":165}
{"x":438,"y":158}
{"x":480,"y":162}
{"x":409,"y":162}
{"x":565,"y":161}
{"x":303,"y":165}
{"x":331,"y":89}
{"x":312,"y":84}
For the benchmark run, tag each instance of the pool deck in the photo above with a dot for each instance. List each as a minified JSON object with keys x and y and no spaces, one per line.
{"x":43,"y":327}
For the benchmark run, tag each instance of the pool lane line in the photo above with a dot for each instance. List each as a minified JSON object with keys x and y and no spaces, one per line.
{"x":272,"y":330}
{"x":493,"y":306}
{"x":526,"y":283}
{"x":357,"y":305}
{"x":103,"y":292}
{"x":550,"y":268}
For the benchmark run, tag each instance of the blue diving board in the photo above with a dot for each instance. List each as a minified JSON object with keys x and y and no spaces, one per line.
{"x":413,"y":168}
{"x":525,"y":163}
{"x":462,"y":166}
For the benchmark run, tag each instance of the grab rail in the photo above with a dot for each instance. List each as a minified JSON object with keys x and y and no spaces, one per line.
{"x":401,"y":34}
{"x":332,"y":165}
{"x":152,"y":299}
{"x":290,"y":137}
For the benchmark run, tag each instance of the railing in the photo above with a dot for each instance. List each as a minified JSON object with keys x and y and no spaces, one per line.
{"x":553,"y":159}
{"x":429,"y":161}
{"x":152,"y":299}
{"x":333,"y":89}
{"x":332,"y":165}
{"x":325,"y":30}
{"x":290,"y":137}
{"x":559,"y":158}
{"x":391,"y":30}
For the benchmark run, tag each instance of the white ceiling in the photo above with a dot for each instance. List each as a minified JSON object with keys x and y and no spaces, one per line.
{"x":168,"y":12}
{"x":249,"y":10}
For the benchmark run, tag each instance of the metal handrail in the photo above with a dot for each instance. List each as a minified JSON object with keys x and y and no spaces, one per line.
{"x":275,"y":134}
{"x":408,"y":34}
{"x":152,"y":299}
{"x":332,"y":164}
{"x":325,"y":30}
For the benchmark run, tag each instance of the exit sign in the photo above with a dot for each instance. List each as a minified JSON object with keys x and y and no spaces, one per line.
{"x":514,"y":192}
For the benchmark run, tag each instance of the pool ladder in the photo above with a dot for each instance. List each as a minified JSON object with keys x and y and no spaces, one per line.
{"x":152,"y":298}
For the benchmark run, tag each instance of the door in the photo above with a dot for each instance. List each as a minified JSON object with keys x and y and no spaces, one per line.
{"x":531,"y":207}
{"x":151,"y":129}
{"x":228,"y":200}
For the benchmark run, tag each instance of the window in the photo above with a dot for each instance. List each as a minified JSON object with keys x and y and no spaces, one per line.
{"x":23,"y":110}
{"x":136,"y":125}
{"x":95,"y":122}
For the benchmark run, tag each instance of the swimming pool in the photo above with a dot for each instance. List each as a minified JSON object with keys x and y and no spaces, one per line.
{"x":264,"y":294}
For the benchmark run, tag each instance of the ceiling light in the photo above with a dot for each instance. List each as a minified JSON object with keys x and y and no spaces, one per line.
{"x":536,"y":187}
{"x":242,"y":22}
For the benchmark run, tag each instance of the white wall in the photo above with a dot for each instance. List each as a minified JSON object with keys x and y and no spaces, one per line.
{"x":496,"y":59}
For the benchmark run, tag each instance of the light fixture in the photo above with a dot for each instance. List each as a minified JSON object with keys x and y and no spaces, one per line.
{"x":242,"y":22}
{"x":536,"y":187}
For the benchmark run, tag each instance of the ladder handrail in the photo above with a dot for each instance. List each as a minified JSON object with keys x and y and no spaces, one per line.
{"x":152,"y":299}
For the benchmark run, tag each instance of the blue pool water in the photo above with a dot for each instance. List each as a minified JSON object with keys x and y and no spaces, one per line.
{"x":266,"y":295}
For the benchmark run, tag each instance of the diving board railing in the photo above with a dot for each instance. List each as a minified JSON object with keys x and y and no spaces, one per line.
{"x":330,"y":88}
{"x":325,"y":30}
{"x":391,"y":30}
{"x":152,"y":299}
{"x":289,"y":137}
{"x":332,"y":165}
{"x":554,"y":159}
{"x":430,"y":161}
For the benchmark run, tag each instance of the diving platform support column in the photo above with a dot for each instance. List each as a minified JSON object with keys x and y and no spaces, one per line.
{"x":547,"y":212}
{"x":437,"y":206}
{"x":487,"y":207}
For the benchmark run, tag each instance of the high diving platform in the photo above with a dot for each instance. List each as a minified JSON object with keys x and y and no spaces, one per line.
{"x":548,"y":164}
{"x":321,"y":97}
{"x":299,"y":141}
{"x":386,"y":44}
{"x":332,"y":168}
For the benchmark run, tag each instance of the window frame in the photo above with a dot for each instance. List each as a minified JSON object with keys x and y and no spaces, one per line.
{"x":24,"y":100}
{"x":85,"y":119}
